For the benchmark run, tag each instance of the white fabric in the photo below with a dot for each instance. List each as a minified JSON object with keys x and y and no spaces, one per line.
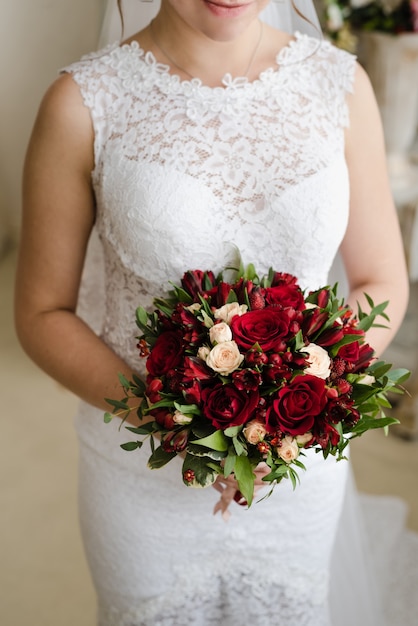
{"x":182,"y":171}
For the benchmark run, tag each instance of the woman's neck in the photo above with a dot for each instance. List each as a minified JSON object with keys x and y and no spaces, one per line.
{"x":191,"y":54}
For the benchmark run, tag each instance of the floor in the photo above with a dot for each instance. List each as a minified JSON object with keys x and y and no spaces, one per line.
{"x":43,"y":576}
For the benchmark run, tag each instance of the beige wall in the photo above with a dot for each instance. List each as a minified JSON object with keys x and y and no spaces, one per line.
{"x":38,"y":37}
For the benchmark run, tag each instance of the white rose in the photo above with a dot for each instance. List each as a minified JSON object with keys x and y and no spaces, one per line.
{"x":203,"y":352}
{"x":220,"y":332}
{"x":228,"y":311}
{"x":225,"y":358}
{"x":310,"y":305}
{"x":366,"y":380}
{"x":181,"y":418}
{"x":319,"y":361}
{"x":288,"y":449}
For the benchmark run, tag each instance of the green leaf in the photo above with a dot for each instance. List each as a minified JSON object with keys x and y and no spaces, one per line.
{"x":131,"y":445}
{"x":245,"y":477}
{"x":232,"y":431}
{"x":159,"y":458}
{"x":141,"y":317}
{"x":239,"y":448}
{"x":187,"y":409}
{"x":215,"y":441}
{"x":182,"y":295}
{"x":366,"y":424}
{"x":201,"y":451}
{"x":140,"y":385}
{"x":124,"y":381}
{"x":379,"y":369}
{"x":204,"y":474}
{"x":207,"y":320}
{"x":108,"y":417}
{"x":146,"y":429}
{"x":229,"y":464}
{"x":232,"y":297}
{"x":399,"y":375}
{"x":118,"y":404}
{"x":293,"y":477}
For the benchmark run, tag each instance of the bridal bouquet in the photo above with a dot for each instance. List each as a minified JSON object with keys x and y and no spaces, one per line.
{"x":253,"y":371}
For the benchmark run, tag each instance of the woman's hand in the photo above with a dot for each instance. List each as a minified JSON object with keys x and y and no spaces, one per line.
{"x":229,"y":490}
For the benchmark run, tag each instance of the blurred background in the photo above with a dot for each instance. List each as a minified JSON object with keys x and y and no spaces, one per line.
{"x":43,"y":575}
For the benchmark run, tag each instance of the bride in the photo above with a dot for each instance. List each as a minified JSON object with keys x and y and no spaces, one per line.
{"x":212,"y":125}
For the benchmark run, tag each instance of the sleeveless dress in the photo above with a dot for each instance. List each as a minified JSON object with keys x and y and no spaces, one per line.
{"x":184,"y":175}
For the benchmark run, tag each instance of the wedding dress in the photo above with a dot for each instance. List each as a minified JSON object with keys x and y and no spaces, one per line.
{"x":182,"y":172}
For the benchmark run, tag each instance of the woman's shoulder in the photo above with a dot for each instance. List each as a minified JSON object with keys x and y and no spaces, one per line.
{"x":95,"y":62}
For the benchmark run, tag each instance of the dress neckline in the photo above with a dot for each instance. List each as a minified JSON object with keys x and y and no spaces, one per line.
{"x":299,"y":48}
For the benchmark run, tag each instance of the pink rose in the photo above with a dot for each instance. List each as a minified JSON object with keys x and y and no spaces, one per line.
{"x":255,"y":431}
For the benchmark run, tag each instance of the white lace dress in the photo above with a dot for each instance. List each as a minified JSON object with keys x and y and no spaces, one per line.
{"x":182,"y":171}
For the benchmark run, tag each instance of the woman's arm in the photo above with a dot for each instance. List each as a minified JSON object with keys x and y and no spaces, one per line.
{"x":372,"y":249}
{"x":58,"y":214}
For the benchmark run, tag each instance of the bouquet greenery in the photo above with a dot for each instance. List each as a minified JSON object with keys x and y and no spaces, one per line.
{"x":252,"y":371}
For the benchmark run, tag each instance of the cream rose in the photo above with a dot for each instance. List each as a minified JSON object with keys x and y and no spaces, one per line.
{"x":228,"y":311}
{"x":288,"y":450}
{"x":181,"y":418}
{"x":254,"y":432}
{"x":319,"y":361}
{"x":225,"y":358}
{"x":220,"y":332}
{"x":203,"y":353}
{"x":302,"y":440}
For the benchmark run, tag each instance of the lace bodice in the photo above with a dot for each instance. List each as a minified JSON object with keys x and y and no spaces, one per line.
{"x":183,"y":171}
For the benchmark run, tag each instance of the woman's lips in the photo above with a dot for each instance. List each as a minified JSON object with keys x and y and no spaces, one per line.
{"x":224,"y":9}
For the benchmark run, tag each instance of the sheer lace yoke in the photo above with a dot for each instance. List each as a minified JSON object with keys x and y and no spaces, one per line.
{"x":299,"y":48}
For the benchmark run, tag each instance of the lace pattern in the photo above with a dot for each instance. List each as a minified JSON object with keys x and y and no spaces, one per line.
{"x":182,"y":170}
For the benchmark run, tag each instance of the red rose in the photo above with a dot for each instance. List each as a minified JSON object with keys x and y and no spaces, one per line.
{"x":285,"y":295}
{"x":297,"y":404}
{"x":166,"y":353}
{"x":225,"y":405}
{"x":267,"y":327}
